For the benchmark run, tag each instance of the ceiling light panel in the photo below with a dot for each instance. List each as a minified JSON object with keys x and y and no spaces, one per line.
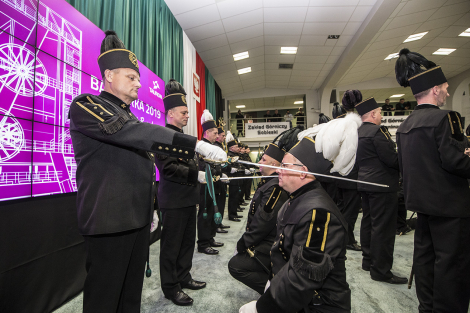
{"x":298,"y":102}
{"x":241,"y":56}
{"x":392,"y":56}
{"x":443,"y":51}
{"x":415,"y":37}
{"x":244,"y":70}
{"x":240,"y":106}
{"x":466,"y":33}
{"x":288,"y":50}
{"x":397,"y":96}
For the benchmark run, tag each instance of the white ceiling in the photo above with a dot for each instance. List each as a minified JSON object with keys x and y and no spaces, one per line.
{"x":220,"y":28}
{"x":267,"y":103}
{"x":443,"y":20}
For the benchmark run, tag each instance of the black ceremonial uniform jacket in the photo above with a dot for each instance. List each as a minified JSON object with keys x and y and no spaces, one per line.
{"x":115,"y":172}
{"x":262,"y":217}
{"x":216,"y":171}
{"x":308,"y":256}
{"x":239,"y":168}
{"x":178,"y":187}
{"x":376,"y":158}
{"x":431,"y":147}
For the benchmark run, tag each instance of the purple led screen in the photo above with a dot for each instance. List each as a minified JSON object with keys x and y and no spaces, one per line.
{"x":16,"y":140}
{"x":39,"y":77}
{"x":18,"y":18}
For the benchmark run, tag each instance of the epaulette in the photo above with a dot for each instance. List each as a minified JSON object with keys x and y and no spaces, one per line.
{"x":455,"y":125}
{"x":384,"y":130}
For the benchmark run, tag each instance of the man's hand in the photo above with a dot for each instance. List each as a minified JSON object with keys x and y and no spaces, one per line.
{"x":210,"y":151}
{"x":467,"y":151}
{"x":225,"y":179}
{"x":201,"y":177}
{"x":247,"y":172}
{"x":233,"y":170}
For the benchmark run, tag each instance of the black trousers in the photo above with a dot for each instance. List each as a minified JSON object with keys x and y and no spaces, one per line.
{"x":247,"y":190}
{"x":241,"y":190}
{"x":177,"y":247}
{"x":248,"y":271}
{"x":233,"y":199}
{"x":115,"y":265}
{"x":221,"y":200}
{"x":206,"y":227}
{"x":441,"y":263}
{"x":349,"y":203}
{"x":401,"y":217}
{"x":378,"y":228}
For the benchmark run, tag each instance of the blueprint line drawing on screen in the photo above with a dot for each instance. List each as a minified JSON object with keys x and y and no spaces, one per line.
{"x":44,"y":65}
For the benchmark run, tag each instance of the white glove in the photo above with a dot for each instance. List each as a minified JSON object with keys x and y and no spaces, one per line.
{"x":267,"y":285}
{"x":155,"y":220}
{"x":210,"y":151}
{"x":249,"y":308}
{"x":201,"y":177}
{"x":247,"y":172}
{"x":252,"y":170}
{"x":233,"y":170}
{"x":225,"y":179}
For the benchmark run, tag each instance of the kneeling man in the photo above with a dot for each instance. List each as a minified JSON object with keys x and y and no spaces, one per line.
{"x":261,"y":226}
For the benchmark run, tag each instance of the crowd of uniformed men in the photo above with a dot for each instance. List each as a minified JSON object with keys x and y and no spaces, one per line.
{"x":299,"y":225}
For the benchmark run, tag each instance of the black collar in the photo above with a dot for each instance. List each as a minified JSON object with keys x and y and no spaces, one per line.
{"x":426,"y":106}
{"x":305,"y":188}
{"x":204,"y":139}
{"x":114,"y":99}
{"x":218,"y":144}
{"x":174,"y":128}
{"x":265,"y":180}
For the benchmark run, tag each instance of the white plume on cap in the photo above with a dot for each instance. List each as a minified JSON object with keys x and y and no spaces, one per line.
{"x":206,"y":116}
{"x":338,"y":141}
{"x":229,"y":137}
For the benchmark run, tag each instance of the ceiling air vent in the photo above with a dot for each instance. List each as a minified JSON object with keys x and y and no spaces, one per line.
{"x":286,"y":66}
{"x":333,"y":36}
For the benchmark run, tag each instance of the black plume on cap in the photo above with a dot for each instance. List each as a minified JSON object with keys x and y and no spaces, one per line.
{"x":111,"y":41}
{"x":173,"y":86}
{"x":323,"y":119}
{"x":350,"y":99}
{"x":409,"y":64}
{"x":338,"y":110}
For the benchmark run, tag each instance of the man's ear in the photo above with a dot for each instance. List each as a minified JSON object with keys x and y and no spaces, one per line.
{"x":108,"y":75}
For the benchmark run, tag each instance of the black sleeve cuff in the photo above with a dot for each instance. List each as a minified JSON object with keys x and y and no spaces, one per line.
{"x":241,"y":245}
{"x":185,"y":141}
{"x":266,"y":304}
{"x":193,"y":176}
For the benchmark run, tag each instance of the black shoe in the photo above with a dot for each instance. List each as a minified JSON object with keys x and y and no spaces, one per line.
{"x":248,"y":199}
{"x":180,"y":298}
{"x":208,"y":250}
{"x":220,"y":230}
{"x":194,"y":285}
{"x":239,"y":210}
{"x":234,"y":219}
{"x":216,"y":244}
{"x":365,"y":268}
{"x":244,"y":203}
{"x":224,"y":226}
{"x":394,"y":280}
{"x":239,"y":216}
{"x":354,"y":247}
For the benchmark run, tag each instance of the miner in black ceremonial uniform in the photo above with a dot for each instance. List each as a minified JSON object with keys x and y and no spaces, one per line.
{"x":348,"y":198}
{"x":260,"y":229}
{"x":244,"y":172}
{"x":222,"y":196}
{"x":178,"y":194}
{"x":206,"y":226}
{"x":235,"y":172}
{"x":377,"y":162}
{"x":115,"y":176}
{"x":308,"y":256}
{"x":435,"y":169}
{"x":248,"y":182}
